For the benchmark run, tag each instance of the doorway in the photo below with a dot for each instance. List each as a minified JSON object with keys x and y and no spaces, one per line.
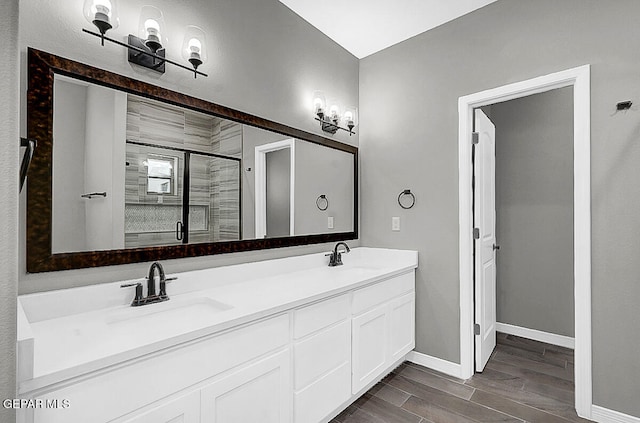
{"x":269,"y":201}
{"x":579,"y":79}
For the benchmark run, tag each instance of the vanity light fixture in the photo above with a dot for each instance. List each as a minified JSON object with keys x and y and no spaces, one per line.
{"x":193,"y":46}
{"x":330,"y":114}
{"x":147,"y":50}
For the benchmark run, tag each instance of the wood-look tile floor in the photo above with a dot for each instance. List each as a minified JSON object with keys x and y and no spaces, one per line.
{"x":524,"y":381}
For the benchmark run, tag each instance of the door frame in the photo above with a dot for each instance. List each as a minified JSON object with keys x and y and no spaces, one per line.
{"x":261,"y":184}
{"x":579,"y":79}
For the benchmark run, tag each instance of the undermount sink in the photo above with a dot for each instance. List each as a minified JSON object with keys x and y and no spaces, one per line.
{"x":191,"y":309}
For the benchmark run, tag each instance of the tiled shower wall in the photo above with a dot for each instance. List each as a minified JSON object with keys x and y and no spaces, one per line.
{"x":214,"y":209}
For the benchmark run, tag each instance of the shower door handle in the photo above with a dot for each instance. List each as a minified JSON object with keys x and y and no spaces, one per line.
{"x":179,"y":231}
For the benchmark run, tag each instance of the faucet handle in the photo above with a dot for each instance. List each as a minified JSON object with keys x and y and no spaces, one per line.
{"x":137,"y":300}
{"x":163,"y":287}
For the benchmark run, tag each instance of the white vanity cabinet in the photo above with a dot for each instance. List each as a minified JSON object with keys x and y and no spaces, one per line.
{"x":157,"y":382}
{"x":301,"y":362}
{"x":383,"y":327}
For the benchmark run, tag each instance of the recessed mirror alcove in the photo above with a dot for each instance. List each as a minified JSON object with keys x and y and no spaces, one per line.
{"x":127,"y":172}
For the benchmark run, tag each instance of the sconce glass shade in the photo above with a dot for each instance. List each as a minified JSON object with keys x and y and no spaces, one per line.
{"x":350,"y":117}
{"x":319,"y":103}
{"x":335,"y":111}
{"x":102,"y":13}
{"x":194,"y":46}
{"x":152,"y":27}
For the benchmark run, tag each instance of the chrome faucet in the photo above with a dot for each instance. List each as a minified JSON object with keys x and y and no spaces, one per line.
{"x":335,"y":257}
{"x":151,"y":297}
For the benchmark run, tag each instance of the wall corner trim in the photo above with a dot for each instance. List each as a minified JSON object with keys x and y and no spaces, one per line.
{"x":537,"y":335}
{"x":435,"y":363}
{"x":605,"y":415}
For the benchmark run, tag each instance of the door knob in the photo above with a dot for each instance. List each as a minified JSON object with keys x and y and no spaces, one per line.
{"x":496,"y":247}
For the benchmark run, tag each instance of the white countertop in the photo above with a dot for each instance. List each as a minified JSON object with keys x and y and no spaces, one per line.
{"x":71,"y":332}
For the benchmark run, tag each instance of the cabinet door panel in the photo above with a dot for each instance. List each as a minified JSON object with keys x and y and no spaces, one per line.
{"x":401,"y":326}
{"x":260,"y":392}
{"x":185,"y":409}
{"x":369,"y":346}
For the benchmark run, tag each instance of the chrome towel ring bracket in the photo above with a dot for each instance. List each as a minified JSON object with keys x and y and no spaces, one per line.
{"x":322,"y":202}
{"x":406,"y":199}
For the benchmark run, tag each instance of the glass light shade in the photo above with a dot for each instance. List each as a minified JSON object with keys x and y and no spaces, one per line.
{"x":151,"y":27}
{"x":102,"y":13}
{"x":350,"y":117}
{"x":194,"y":46}
{"x":335,"y":111}
{"x":319,"y":103}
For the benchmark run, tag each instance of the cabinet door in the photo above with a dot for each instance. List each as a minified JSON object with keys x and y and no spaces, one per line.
{"x":260,"y":392}
{"x":185,"y":409}
{"x":401,"y":326}
{"x":369,"y":346}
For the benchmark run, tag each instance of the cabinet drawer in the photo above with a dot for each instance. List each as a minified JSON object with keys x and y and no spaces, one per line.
{"x":324,"y":396}
{"x":371,"y":296}
{"x":321,"y":353}
{"x":320,"y":315}
{"x":151,"y":378}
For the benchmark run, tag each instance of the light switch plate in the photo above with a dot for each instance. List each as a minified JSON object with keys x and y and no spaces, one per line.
{"x":330,"y":222}
{"x":395,"y":223}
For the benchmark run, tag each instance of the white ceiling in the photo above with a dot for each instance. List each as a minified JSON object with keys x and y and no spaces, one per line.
{"x":364,"y":27}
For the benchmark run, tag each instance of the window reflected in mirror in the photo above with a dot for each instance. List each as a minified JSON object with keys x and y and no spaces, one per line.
{"x":160,"y":175}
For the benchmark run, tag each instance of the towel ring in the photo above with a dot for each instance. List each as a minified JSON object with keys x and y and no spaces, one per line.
{"x":322,"y":202}
{"x":406,"y":205}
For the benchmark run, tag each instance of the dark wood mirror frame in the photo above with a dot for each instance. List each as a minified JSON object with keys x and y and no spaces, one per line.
{"x":40,"y":258}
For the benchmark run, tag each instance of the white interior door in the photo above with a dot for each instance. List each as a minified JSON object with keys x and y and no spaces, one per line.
{"x":485,"y":222}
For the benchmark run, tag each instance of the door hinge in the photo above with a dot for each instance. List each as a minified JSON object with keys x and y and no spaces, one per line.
{"x":476,"y":233}
{"x":475,"y":137}
{"x":476,"y":329}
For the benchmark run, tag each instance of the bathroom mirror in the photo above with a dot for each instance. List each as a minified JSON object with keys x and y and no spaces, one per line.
{"x":127,"y":172}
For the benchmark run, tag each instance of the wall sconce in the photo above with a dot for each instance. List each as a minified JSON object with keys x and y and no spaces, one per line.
{"x":330,"y":114}
{"x":193,"y":46}
{"x":146,"y":50}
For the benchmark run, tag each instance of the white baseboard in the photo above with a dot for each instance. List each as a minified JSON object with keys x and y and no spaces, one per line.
{"x":537,"y":335}
{"x":604,"y":415}
{"x":434,"y":363}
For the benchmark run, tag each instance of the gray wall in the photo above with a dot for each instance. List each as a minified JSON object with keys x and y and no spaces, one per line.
{"x":534,"y":211}
{"x":9,"y":158}
{"x":322,"y":170}
{"x":260,"y":62}
{"x":417,"y":84}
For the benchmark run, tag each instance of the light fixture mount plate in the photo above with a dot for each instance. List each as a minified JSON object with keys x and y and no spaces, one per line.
{"x":328,"y":126}
{"x":145,"y":60}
